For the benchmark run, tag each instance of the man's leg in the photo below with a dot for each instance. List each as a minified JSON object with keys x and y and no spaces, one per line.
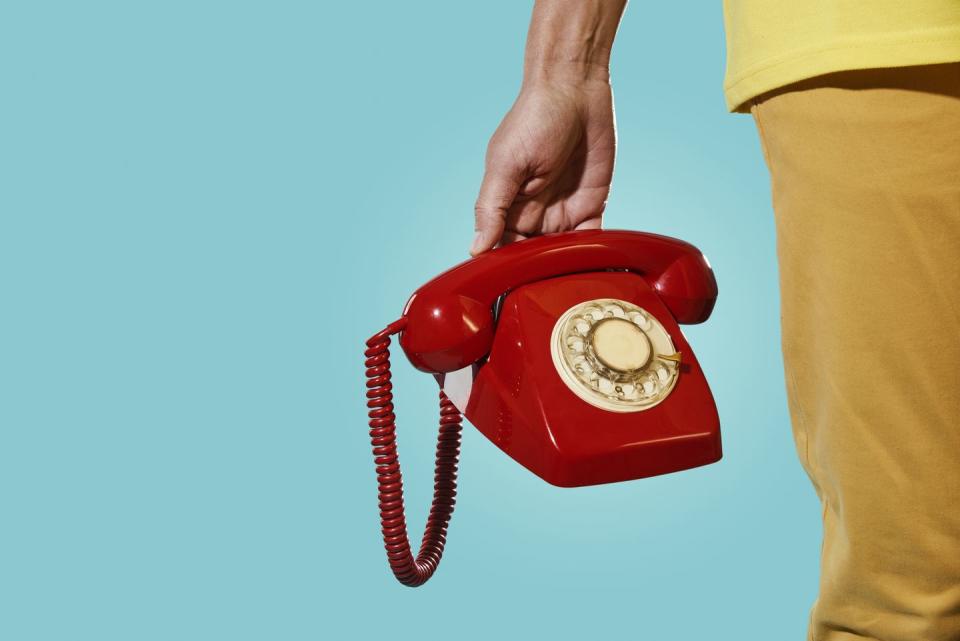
{"x":865,"y":170}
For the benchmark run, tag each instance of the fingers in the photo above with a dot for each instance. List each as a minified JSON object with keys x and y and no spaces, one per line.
{"x":512,"y":237}
{"x":497,"y":192}
{"x":593,"y":223}
{"x":534,"y":186}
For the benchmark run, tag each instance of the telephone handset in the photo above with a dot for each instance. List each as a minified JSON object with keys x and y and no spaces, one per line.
{"x":583,"y":376}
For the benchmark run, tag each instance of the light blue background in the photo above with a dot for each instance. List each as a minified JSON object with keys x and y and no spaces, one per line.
{"x":206,"y":209}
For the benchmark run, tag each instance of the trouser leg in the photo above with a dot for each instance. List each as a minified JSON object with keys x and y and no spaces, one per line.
{"x":865,"y":170}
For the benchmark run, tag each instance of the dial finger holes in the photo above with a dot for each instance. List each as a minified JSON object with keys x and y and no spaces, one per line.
{"x":610,"y":353}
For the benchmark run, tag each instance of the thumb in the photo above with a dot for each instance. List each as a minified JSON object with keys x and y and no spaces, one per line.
{"x":497,"y":192}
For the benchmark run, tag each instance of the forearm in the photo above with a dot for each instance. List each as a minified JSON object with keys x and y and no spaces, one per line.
{"x":571,"y":40}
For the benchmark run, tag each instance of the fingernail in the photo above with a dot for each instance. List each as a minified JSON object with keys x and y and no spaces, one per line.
{"x":476,"y":242}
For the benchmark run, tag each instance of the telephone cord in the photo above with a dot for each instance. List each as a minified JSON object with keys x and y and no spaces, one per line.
{"x":409,"y":571}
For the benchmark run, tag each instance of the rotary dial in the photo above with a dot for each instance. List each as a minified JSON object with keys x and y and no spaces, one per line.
{"x":614,"y":355}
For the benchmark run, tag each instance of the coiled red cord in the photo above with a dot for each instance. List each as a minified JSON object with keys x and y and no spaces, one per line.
{"x":409,"y":571}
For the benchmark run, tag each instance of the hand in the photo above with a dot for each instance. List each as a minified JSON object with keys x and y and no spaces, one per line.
{"x":549,"y":164}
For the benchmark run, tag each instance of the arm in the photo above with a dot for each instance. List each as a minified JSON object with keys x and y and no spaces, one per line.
{"x":550,"y":162}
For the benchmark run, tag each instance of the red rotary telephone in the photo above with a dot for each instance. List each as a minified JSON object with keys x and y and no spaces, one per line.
{"x":564,"y":350}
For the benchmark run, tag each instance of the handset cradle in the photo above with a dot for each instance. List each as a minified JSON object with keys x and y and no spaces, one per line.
{"x":451,"y":320}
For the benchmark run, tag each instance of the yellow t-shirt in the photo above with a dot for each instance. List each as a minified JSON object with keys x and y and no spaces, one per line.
{"x":771,"y":43}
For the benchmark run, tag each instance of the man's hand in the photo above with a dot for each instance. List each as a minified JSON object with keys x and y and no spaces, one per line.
{"x":550,"y":162}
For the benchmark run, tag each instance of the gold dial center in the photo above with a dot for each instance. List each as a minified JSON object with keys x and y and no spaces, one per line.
{"x":620,"y":345}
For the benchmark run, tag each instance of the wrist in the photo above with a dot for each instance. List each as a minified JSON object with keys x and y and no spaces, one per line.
{"x":572,"y":80}
{"x":571,"y":68}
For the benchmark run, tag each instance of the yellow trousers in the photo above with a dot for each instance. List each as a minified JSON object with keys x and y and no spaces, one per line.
{"x":865,"y":169}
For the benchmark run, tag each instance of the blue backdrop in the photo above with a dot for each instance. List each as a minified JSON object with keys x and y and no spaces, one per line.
{"x":206,"y":209}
